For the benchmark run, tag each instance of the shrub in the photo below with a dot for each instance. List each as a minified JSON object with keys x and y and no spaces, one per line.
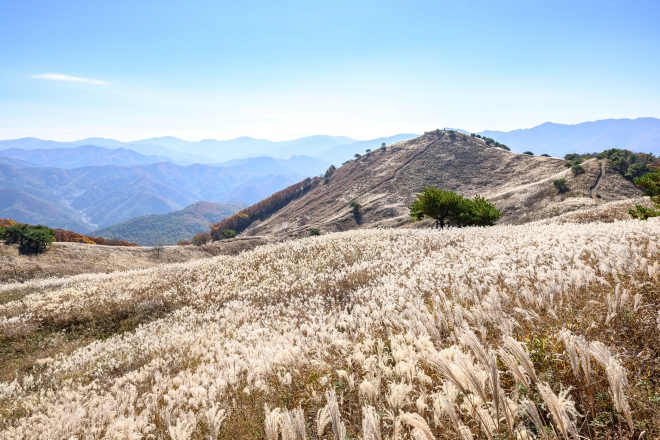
{"x":315,"y":232}
{"x":229,"y":233}
{"x":30,"y":239}
{"x":383,"y":146}
{"x":575,"y":161}
{"x":183,"y":243}
{"x":449,"y":208}
{"x":651,"y":183}
{"x":643,"y":213}
{"x":560,"y":185}
{"x":201,"y":238}
{"x":356,"y":211}
{"x":357,"y":155}
{"x":577,"y":168}
{"x":330,"y":171}
{"x":529,"y":153}
{"x":545,"y":155}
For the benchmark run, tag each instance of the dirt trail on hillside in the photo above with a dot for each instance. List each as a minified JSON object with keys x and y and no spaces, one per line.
{"x":385,"y":182}
{"x":594,"y":187}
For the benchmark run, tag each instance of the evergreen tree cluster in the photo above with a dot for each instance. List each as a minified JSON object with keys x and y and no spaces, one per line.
{"x":31,"y":239}
{"x":651,"y":183}
{"x":631,"y":165}
{"x":490,"y":141}
{"x":450,"y":209}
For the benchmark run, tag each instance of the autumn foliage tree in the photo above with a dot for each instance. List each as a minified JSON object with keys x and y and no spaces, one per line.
{"x":259,"y":211}
{"x":64,"y":236}
{"x":201,"y":239}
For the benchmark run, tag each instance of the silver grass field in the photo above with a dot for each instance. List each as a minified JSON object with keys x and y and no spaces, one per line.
{"x":537,"y":331}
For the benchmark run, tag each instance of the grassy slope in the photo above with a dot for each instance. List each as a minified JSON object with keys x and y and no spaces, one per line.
{"x":385,"y":184}
{"x":402,"y":321}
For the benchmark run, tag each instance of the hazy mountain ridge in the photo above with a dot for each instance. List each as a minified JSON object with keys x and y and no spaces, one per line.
{"x":640,"y":135}
{"x":245,"y":146}
{"x":183,"y":158}
{"x":111,"y":194}
{"x":172,"y":227}
{"x":77,"y":157}
{"x":214,"y":151}
{"x":27,"y":208}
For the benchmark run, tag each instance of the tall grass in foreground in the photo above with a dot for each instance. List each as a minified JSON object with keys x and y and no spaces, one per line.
{"x":535,"y":331}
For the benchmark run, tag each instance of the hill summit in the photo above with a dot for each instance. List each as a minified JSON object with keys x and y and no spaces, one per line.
{"x":376,"y":188}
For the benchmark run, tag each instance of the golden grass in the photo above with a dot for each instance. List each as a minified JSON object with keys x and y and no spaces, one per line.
{"x":471,"y":333}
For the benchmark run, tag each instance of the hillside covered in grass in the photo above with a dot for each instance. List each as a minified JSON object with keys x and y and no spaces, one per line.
{"x":508,"y":332}
{"x":170,"y":228}
{"x":380,"y":186}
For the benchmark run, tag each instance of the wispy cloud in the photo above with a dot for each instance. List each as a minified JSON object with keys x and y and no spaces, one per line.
{"x":58,"y":77}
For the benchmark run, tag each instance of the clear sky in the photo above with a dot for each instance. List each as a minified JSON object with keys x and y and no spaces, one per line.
{"x":285,"y":69}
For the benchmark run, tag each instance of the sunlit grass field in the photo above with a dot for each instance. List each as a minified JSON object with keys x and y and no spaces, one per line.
{"x":507,"y":332}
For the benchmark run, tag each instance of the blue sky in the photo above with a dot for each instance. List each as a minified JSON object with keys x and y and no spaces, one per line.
{"x":287,"y":69}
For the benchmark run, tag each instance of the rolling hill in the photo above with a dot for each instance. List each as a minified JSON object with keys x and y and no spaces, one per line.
{"x":172,"y":227}
{"x":640,"y":135}
{"x":384,"y":184}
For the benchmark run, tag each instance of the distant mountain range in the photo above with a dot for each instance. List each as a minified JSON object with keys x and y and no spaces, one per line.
{"x":182,"y":158}
{"x":639,"y":135}
{"x":27,"y":208}
{"x":642,"y":134}
{"x":88,"y":155}
{"x":329,"y":148}
{"x":170,"y":228}
{"x":100,"y":196}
